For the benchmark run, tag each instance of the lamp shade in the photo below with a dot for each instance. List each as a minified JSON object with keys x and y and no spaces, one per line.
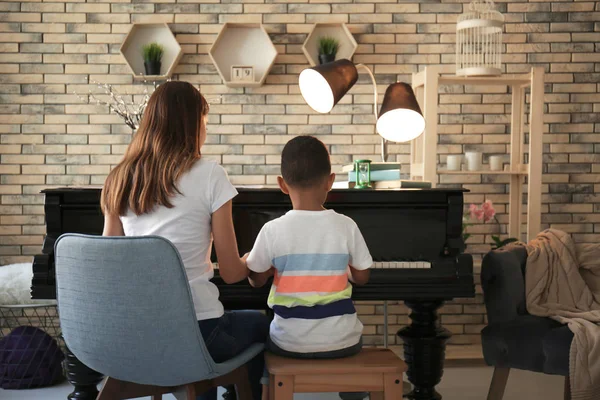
{"x":324,"y":85}
{"x":400,"y":118}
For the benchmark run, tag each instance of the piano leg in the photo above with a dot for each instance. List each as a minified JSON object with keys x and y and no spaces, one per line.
{"x":424,"y":349}
{"x":84,"y":380}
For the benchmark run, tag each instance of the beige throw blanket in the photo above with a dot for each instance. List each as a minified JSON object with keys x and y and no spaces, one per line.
{"x":563,"y":282}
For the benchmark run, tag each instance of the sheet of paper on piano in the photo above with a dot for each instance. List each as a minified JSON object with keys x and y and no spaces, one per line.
{"x":340,"y":185}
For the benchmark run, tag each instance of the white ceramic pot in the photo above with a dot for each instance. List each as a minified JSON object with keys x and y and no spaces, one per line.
{"x":496,"y":163}
{"x":473,"y":160}
{"x":454,"y":161}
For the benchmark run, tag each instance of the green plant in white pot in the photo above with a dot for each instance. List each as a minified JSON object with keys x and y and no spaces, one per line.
{"x":152,"y":53}
{"x":328,"y":48}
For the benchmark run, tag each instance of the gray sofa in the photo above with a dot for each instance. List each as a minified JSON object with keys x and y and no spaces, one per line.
{"x":513,"y":338}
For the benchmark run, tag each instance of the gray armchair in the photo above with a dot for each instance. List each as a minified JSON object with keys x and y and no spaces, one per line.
{"x":126,"y":311}
{"x":513,"y":338}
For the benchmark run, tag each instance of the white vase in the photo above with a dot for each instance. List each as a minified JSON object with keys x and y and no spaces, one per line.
{"x":496,"y":163}
{"x":454,"y":161}
{"x":473,"y":160}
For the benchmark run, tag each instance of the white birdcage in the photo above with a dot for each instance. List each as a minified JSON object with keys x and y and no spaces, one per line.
{"x":479,"y":40}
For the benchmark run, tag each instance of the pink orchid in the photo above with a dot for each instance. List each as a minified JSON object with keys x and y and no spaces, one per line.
{"x":488,"y":210}
{"x":485,"y":212}
{"x":473,"y":211}
{"x":476,"y":212}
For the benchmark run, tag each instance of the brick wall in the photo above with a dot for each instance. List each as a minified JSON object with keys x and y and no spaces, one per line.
{"x":49,"y":137}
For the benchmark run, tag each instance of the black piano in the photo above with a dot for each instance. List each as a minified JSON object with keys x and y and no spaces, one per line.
{"x":414,"y":235}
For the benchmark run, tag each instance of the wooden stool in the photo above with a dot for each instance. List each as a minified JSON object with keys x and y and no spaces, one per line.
{"x":378,"y":371}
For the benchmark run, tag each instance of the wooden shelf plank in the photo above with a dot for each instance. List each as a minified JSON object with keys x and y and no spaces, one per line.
{"x":523,"y":79}
{"x":418,"y":79}
{"x":536,"y":131}
{"x":483,"y":172}
{"x":150,"y":78}
{"x":243,"y":84}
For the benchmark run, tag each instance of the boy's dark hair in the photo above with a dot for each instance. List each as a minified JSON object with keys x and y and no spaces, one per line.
{"x":304,"y":162}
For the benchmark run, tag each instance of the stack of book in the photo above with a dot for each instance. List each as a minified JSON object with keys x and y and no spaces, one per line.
{"x":386,"y":176}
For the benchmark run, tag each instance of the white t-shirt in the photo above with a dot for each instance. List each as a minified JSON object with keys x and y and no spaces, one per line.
{"x":311,"y":294}
{"x":204,"y":189}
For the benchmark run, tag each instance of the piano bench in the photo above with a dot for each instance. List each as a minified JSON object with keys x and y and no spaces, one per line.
{"x":378,"y":371}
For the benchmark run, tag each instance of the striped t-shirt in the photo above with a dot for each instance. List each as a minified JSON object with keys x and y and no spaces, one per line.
{"x":311,"y":294}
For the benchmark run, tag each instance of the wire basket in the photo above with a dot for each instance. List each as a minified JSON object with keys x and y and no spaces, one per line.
{"x":43,"y":316}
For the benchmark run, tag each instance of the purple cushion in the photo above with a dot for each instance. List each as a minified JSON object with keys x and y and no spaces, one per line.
{"x":29,"y":358}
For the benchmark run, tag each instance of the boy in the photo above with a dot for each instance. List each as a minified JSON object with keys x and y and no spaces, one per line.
{"x":312,"y":252}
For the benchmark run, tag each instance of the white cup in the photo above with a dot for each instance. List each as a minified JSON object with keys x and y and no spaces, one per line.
{"x":496,"y":163}
{"x":473,"y":160}
{"x":454,"y":161}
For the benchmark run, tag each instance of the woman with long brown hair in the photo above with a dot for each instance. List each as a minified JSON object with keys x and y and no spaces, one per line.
{"x":164,"y":187}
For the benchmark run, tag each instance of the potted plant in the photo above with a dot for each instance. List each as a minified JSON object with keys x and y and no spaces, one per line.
{"x":328,"y":48}
{"x":153,"y":53}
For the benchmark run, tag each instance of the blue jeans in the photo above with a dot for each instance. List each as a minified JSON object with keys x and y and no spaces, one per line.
{"x":228,"y":336}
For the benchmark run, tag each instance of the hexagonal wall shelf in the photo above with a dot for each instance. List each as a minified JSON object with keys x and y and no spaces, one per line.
{"x":338,"y":31}
{"x":145,"y":33}
{"x":243,"y":47}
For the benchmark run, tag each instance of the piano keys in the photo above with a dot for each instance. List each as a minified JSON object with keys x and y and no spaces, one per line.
{"x":414,"y":236}
{"x":403,"y":264}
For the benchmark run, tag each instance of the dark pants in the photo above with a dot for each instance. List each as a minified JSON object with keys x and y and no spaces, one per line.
{"x":321,"y":355}
{"x":230,"y":335}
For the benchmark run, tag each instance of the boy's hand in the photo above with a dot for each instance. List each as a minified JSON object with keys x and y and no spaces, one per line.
{"x":359,"y":277}
{"x":258,"y":279}
{"x":245,"y":257}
